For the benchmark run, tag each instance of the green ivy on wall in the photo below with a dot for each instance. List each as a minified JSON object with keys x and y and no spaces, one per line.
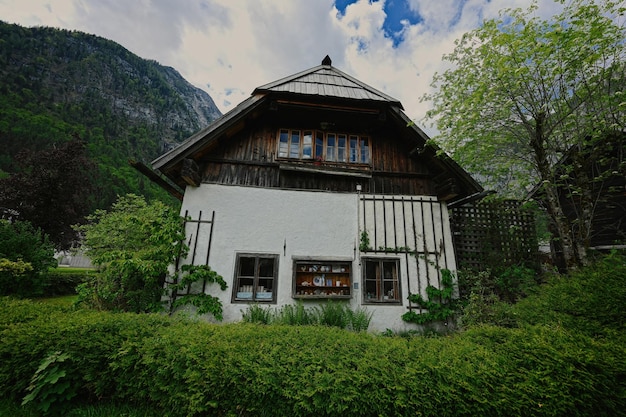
{"x":440,"y":304}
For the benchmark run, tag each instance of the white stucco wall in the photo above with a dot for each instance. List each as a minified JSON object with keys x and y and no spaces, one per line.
{"x":296,"y":224}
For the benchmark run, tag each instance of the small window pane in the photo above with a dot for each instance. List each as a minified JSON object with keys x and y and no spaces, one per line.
{"x":294,"y":147}
{"x":365,"y":150}
{"x":341,"y":148}
{"x":246,"y":267}
{"x":319,"y":145}
{"x":353,"y":148}
{"x":283,"y":144}
{"x":330,"y":147}
{"x":266,"y":267}
{"x":307,"y":145}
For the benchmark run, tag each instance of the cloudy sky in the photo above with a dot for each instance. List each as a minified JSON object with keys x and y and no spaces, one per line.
{"x":229,"y":47}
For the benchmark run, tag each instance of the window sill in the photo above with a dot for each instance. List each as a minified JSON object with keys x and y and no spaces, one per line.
{"x":359,"y":170}
{"x":383,"y":302}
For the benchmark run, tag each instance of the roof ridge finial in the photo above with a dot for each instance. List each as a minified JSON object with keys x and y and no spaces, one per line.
{"x":327,"y":61}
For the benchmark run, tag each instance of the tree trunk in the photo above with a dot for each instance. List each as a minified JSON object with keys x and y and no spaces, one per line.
{"x":582,"y":167}
{"x":561,"y":224}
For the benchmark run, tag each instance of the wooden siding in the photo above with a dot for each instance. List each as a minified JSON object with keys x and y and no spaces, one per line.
{"x":249,"y":158}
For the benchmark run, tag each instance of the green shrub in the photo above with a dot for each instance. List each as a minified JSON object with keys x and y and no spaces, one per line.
{"x":257,"y":314}
{"x":590,"y":300}
{"x":31,"y":331}
{"x":133,"y":244}
{"x":295,"y":315}
{"x":328,"y":314}
{"x":25,"y":254}
{"x":544,"y":366}
{"x":64,"y":281}
{"x":332,"y":314}
{"x":51,"y":385}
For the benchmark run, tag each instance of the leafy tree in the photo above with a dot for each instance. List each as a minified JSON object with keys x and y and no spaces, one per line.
{"x":522,"y":92}
{"x":51,"y":189}
{"x":134,"y":244}
{"x":25,"y":255}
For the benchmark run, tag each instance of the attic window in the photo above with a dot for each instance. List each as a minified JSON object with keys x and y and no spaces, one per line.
{"x":323,"y":146}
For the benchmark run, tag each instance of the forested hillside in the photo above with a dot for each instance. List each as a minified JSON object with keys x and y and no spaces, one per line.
{"x":59,"y":84}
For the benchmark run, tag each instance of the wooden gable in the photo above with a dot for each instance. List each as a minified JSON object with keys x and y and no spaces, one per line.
{"x":242,"y":147}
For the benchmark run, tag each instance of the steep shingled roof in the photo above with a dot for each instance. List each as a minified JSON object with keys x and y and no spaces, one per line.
{"x":326,"y":80}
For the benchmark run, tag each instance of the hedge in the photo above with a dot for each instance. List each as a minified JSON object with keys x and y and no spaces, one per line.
{"x":63,"y":281}
{"x":188,"y":368}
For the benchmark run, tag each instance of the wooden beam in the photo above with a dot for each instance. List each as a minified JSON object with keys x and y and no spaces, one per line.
{"x":157,"y":179}
{"x":190,"y":172}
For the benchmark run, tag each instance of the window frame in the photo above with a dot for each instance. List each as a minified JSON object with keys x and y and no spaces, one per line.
{"x":256,"y":279}
{"x":336,"y":277}
{"x":312,"y":145}
{"x":380,"y":282}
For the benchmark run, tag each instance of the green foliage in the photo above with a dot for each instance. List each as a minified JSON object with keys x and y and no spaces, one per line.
{"x":329,"y":314}
{"x":64,"y":281}
{"x":364,"y":244}
{"x":15,"y":270}
{"x":294,"y":315}
{"x":584,"y":301}
{"x":25,"y":255}
{"x":57,"y":84}
{"x":51,"y":385}
{"x":440,"y":305}
{"x":51,"y":188}
{"x":257,"y":314}
{"x":522,"y":92}
{"x":101,"y":409}
{"x":133,"y":244}
{"x":204,"y":303}
{"x":510,"y":73}
{"x":31,"y":330}
{"x":186,"y":368}
{"x":487,"y":296}
{"x":589,"y":301}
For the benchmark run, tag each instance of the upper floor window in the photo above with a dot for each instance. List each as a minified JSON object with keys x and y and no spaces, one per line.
{"x":323,"y":146}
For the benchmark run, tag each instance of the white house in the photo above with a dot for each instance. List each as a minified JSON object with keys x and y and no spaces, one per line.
{"x":318,"y":187}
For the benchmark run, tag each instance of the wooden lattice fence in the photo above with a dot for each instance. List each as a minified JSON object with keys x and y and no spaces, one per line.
{"x":492,"y":235}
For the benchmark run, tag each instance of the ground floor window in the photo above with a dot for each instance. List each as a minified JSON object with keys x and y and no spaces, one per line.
{"x":255,"y":277}
{"x":381,"y":280}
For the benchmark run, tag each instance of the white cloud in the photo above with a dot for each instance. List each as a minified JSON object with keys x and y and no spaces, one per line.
{"x":230,"y":47}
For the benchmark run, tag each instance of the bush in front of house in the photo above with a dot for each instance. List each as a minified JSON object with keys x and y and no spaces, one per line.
{"x":589,"y":301}
{"x":26,"y":253}
{"x":188,"y":368}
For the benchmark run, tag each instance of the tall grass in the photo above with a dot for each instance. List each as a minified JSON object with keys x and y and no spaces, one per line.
{"x":331,"y":314}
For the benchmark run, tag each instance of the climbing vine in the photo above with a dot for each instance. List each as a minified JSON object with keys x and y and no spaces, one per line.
{"x":205,"y":303}
{"x":440,"y":304}
{"x":364,"y":246}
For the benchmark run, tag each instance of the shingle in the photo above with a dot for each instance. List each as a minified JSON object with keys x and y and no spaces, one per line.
{"x":327,"y":81}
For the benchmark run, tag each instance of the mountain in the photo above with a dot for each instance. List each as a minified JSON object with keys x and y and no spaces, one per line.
{"x":58,"y":84}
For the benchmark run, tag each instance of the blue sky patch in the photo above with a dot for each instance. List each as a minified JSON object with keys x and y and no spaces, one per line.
{"x":396,"y":11}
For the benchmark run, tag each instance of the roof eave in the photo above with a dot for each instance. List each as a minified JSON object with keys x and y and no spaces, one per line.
{"x":204,"y":136}
{"x":470,"y":183}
